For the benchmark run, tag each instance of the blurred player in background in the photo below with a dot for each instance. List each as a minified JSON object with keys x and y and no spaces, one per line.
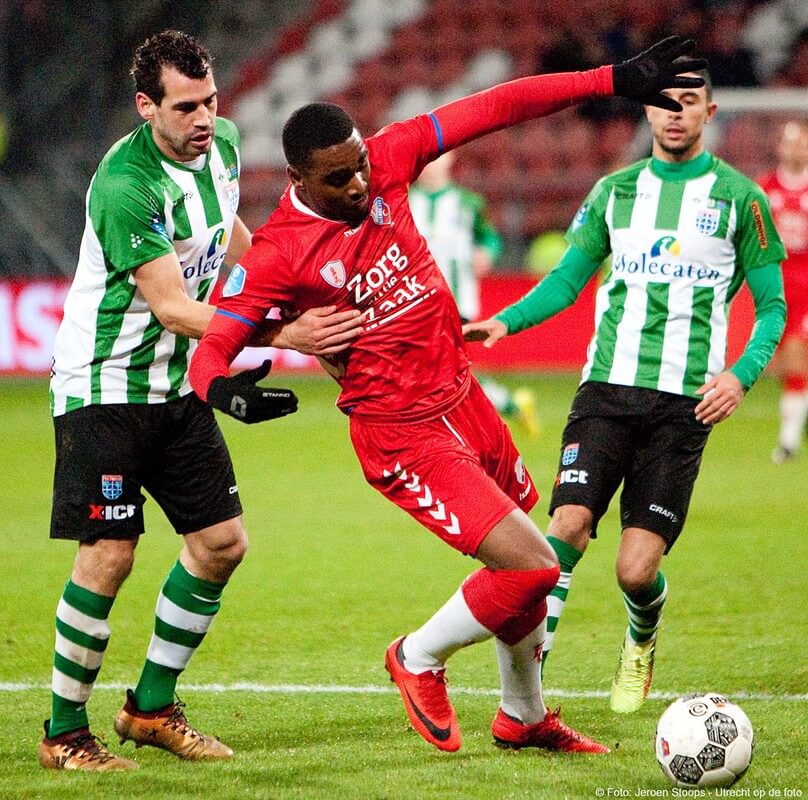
{"x":425,"y":435}
{"x":787,"y":189}
{"x":161,"y":219}
{"x":465,"y":246}
{"x":684,"y":230}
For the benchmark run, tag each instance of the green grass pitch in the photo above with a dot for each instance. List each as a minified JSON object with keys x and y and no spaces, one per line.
{"x":291,"y":674}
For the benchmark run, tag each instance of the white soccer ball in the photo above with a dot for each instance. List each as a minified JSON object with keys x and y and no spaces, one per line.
{"x":704,"y":740}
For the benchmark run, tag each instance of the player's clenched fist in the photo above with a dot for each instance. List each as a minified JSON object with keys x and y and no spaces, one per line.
{"x":239,"y":396}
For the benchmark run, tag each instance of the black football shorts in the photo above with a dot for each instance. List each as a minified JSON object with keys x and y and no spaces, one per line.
{"x":647,"y":440}
{"x":107,"y":454}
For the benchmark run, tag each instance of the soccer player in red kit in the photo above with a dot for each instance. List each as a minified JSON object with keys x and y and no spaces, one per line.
{"x":426,"y":436}
{"x":787,"y":188}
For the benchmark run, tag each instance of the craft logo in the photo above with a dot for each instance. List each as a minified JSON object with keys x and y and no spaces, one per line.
{"x":333,"y":273}
{"x":380,"y":212}
{"x":667,"y":244}
{"x":112,"y":486}
{"x":570,"y":454}
{"x":235,"y":281}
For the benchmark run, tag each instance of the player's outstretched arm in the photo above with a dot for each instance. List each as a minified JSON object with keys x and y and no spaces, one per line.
{"x":487,"y":331}
{"x":238,"y":396}
{"x":641,"y":78}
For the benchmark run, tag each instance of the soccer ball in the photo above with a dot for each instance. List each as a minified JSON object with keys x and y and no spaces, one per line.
{"x":704,"y":740}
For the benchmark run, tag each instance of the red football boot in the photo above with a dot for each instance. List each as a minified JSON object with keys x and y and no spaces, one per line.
{"x":425,"y":700}
{"x":551,"y":734}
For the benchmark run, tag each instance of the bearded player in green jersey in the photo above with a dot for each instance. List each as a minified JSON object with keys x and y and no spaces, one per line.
{"x":684,"y":230}
{"x":161,"y":220}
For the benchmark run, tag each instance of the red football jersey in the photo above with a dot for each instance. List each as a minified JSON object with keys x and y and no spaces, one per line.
{"x":410,"y":357}
{"x":789,"y":204}
{"x":410,"y":362}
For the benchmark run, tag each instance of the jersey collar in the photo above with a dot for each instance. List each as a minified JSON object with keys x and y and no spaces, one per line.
{"x":682,"y":171}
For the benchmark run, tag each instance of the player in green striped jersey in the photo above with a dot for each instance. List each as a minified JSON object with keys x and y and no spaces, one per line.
{"x":161,"y":220}
{"x":466,"y":246}
{"x":684,"y":230}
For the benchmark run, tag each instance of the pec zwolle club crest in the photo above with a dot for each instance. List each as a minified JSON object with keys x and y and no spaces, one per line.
{"x":570,"y":454}
{"x":707,"y":220}
{"x":112,"y":486}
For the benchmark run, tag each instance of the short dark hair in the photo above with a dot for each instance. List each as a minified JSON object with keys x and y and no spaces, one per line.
{"x":168,"y":49}
{"x":313,"y":127}
{"x":702,"y":73}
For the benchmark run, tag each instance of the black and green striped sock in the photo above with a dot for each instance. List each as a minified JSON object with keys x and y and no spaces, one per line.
{"x":645,"y":610}
{"x":82,"y":633}
{"x":185,"y":611}
{"x":568,"y":557}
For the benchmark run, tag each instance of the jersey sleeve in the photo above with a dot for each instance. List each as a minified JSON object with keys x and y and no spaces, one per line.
{"x":403,"y":149}
{"x":128,"y":220}
{"x":589,"y":231}
{"x":757,"y":242}
{"x":261,"y":280}
{"x":411,"y":144}
{"x":557,"y":291}
{"x":766,"y":284}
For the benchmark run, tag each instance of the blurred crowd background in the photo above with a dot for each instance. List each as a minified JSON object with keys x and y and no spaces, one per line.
{"x":66,"y":95}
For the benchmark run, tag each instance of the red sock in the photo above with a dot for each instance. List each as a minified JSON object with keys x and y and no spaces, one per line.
{"x":510,"y":603}
{"x":794,"y":382}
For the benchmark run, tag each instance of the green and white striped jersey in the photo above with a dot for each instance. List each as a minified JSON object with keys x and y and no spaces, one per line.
{"x":110,"y":348}
{"x":682,"y":237}
{"x":453,"y":222}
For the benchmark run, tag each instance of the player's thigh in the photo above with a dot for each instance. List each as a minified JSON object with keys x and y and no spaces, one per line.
{"x":192,"y":476}
{"x":97,"y":476}
{"x":428,"y":473}
{"x":657,"y":491}
{"x":594,"y":456}
{"x":477,"y":425}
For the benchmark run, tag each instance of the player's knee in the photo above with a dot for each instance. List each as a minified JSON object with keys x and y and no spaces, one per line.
{"x":635,"y":577}
{"x":510,"y":603}
{"x":218,"y":554}
{"x":232,"y":554}
{"x":572,"y":524}
{"x":105,"y":564}
{"x":515,"y":543}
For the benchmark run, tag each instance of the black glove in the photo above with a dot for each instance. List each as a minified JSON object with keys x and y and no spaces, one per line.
{"x":643,"y":77}
{"x":239,"y":397}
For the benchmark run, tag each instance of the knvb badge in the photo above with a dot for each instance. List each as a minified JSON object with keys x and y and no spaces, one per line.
{"x":112,"y":486}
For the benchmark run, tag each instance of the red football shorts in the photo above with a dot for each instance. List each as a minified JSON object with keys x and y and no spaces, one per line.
{"x":458,"y":474}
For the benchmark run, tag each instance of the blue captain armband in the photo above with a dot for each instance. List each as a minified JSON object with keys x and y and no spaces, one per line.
{"x":236,"y":316}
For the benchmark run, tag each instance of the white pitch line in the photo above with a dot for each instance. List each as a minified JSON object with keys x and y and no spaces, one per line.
{"x":290,"y":688}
